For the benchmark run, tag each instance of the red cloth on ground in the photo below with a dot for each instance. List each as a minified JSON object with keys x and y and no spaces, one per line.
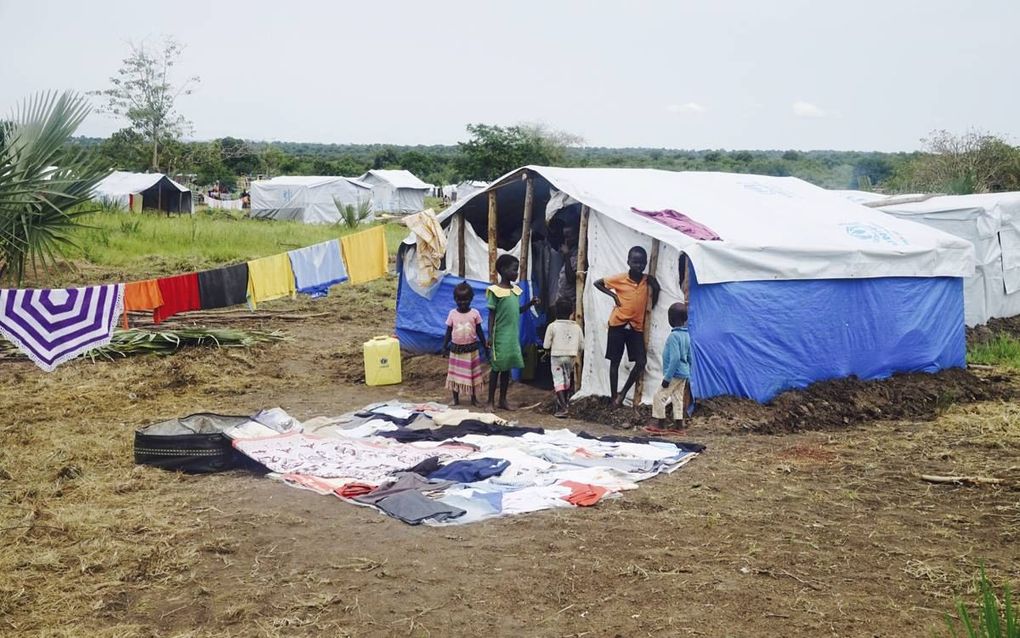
{"x":180,"y":294}
{"x":583,"y":494}
{"x":350,"y":490}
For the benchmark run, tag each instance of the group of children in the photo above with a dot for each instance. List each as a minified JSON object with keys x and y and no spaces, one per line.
{"x":564,"y":340}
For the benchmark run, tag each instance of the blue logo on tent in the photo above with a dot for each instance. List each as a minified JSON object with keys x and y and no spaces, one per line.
{"x":874,"y":233}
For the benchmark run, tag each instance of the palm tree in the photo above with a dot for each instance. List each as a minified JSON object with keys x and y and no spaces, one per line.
{"x":42,"y":179}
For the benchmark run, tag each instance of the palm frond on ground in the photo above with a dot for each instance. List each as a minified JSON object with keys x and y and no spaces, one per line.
{"x":42,"y":178}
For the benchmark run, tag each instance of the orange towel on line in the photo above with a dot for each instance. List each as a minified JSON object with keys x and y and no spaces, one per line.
{"x":141,"y":295}
{"x":365,"y":254}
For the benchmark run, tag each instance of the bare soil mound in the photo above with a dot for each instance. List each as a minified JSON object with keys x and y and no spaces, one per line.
{"x":1009,"y":326}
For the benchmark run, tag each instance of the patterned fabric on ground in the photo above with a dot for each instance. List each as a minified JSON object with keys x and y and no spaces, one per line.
{"x":223,"y":287}
{"x":54,"y":326}
{"x":141,"y":295}
{"x":365,"y":254}
{"x":269,"y":278}
{"x":180,"y":294}
{"x":368,"y":461}
{"x":464,"y":373}
{"x":318,"y":267}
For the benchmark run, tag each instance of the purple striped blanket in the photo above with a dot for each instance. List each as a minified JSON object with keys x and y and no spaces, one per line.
{"x":54,"y":326}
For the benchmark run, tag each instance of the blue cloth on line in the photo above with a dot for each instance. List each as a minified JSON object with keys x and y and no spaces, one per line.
{"x":469,"y":471}
{"x":317,"y":267}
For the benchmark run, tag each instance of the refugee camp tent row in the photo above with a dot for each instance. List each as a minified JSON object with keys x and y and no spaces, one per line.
{"x":396,"y":191}
{"x":991,"y":222}
{"x":802,"y":285}
{"x":144,"y":191}
{"x":469,"y":187}
{"x":307,"y":198}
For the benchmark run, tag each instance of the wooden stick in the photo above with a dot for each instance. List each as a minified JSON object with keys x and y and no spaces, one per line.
{"x":579,"y":280}
{"x":492,"y":236}
{"x":462,"y":262}
{"x":653,"y":263}
{"x":529,"y":195}
{"x":962,"y":480}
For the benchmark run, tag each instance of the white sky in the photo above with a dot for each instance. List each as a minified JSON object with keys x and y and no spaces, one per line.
{"x":756,"y":74}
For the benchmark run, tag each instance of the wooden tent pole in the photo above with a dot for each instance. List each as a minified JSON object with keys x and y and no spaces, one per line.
{"x":653,"y":262}
{"x":580,"y":276}
{"x":529,"y":196}
{"x":462,"y":262}
{"x":492,"y":236}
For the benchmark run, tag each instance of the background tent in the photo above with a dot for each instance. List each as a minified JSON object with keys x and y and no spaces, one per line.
{"x":306,"y":198}
{"x":992,"y":223}
{"x":804,"y":286}
{"x":137,"y":191}
{"x":861,"y":197}
{"x":469,"y":187}
{"x":396,"y":191}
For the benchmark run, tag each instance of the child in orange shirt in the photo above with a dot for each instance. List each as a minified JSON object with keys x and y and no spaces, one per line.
{"x":630,"y":292}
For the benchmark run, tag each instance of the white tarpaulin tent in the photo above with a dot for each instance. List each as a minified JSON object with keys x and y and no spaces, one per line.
{"x":396,"y":191}
{"x":861,"y":197}
{"x":803,"y":286}
{"x":469,"y":187}
{"x":306,"y":198}
{"x":156,"y":191}
{"x":992,"y":223}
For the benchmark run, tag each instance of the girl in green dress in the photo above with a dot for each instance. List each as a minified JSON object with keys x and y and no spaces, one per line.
{"x":505,"y":309}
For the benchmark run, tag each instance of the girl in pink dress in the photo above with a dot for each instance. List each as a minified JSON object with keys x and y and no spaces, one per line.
{"x":463,"y":341}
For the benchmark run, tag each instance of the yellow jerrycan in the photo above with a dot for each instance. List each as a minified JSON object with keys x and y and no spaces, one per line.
{"x":382,"y":361}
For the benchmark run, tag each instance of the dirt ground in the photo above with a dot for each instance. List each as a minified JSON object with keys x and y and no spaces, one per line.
{"x":807,"y":522}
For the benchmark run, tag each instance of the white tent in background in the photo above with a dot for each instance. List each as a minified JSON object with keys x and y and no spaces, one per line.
{"x":469,"y":187}
{"x":306,"y":198}
{"x":138,"y":191}
{"x":992,"y":223}
{"x":396,"y":191}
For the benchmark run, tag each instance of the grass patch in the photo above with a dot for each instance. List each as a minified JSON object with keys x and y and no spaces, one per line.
{"x":132,"y":241}
{"x":1003,"y":350}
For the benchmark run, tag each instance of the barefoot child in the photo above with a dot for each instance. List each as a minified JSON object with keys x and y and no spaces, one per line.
{"x":564,"y":340}
{"x":629,"y":291}
{"x":463,"y":340}
{"x":505,"y":309}
{"x":676,"y":370}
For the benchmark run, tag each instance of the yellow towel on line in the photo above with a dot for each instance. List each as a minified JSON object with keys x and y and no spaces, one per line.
{"x":269,"y":278}
{"x":365,"y":254}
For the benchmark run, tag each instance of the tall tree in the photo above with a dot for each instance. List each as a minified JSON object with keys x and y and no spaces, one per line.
{"x":495,"y":150}
{"x":145,"y":93}
{"x":42,"y":179}
{"x":975,"y":162}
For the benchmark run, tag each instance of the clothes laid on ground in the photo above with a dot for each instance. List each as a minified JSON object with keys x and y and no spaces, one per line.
{"x":469,"y":471}
{"x":633,"y":301}
{"x":141,"y":296}
{"x":431,"y":246}
{"x":51,"y":326}
{"x":365,"y":254}
{"x":681,"y":222}
{"x":223,"y":287}
{"x":457,"y":474}
{"x":180,"y":294}
{"x":318,"y":267}
{"x":453,"y":417}
{"x":269,"y":278}
{"x":505,"y":304}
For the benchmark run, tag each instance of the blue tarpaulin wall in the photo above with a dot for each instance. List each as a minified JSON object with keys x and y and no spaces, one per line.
{"x":756,"y":339}
{"x":421,"y":322}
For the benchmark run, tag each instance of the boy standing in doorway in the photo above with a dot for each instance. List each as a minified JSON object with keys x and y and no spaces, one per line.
{"x":630,"y":292}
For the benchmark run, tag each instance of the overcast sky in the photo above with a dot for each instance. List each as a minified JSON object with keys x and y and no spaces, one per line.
{"x":754,"y":74}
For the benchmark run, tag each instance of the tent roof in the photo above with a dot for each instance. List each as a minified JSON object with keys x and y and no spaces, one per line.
{"x":860,"y":197}
{"x":123,"y":183}
{"x":771,"y":227}
{"x":308,"y":180}
{"x":1005,"y":205}
{"x":398,"y":179}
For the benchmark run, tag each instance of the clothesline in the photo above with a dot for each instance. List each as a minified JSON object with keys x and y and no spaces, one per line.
{"x":52,"y":326}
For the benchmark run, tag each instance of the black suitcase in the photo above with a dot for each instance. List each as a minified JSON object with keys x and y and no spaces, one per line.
{"x":193,"y":444}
